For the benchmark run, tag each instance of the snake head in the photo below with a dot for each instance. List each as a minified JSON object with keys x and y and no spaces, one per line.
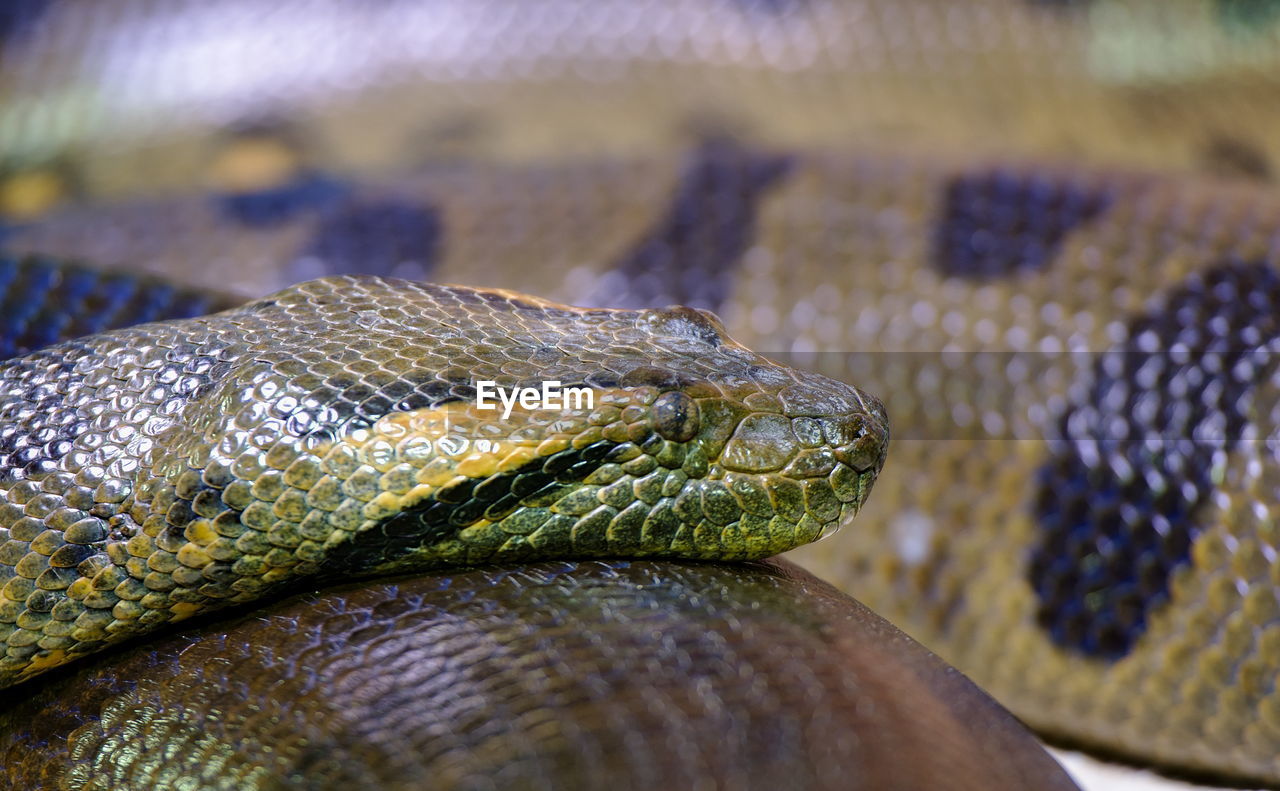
{"x":338,"y":428}
{"x":668,"y":440}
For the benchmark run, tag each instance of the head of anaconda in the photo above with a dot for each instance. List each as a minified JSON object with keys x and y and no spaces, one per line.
{"x":340,"y":428}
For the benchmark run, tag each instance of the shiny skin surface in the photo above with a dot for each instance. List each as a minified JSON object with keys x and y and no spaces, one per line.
{"x":968,"y":207}
{"x":545,"y":676}
{"x":335,"y":429}
{"x":46,"y":300}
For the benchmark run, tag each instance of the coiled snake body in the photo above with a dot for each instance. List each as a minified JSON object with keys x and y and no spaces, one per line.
{"x":1044,"y":233}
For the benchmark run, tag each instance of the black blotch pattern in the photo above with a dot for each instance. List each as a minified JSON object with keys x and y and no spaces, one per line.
{"x":268,"y":208}
{"x":1230,"y":156}
{"x":44,"y":301}
{"x":453,"y":508}
{"x":388,"y":238}
{"x":995,"y":223}
{"x":306,"y":190}
{"x":690,"y":255}
{"x":1119,"y":497}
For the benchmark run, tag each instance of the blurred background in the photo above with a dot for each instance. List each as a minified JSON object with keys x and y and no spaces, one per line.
{"x":282,"y":111}
{"x":899,"y":193}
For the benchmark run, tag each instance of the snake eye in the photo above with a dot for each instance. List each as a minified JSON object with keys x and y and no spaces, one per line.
{"x":675,"y":416}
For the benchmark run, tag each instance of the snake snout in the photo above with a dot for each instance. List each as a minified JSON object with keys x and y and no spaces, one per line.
{"x":846,"y":437}
{"x":826,"y":442}
{"x":853,"y":424}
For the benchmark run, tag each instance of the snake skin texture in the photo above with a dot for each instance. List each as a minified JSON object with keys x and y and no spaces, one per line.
{"x":1044,"y":233}
{"x":45,"y":301}
{"x":335,"y":428}
{"x":548,"y":676}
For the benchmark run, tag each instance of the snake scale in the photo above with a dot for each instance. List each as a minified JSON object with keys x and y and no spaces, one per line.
{"x":1044,"y":234}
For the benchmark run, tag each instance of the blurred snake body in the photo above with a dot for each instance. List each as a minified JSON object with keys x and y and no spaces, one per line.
{"x":1045,"y":234}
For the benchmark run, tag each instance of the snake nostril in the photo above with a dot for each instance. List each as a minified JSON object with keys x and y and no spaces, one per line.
{"x":858,"y":441}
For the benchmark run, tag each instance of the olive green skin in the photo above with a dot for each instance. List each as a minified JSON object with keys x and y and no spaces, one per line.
{"x":332,"y":430}
{"x":617,"y":674}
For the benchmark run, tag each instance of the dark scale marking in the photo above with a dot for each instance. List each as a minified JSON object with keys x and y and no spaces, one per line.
{"x":690,"y":255}
{"x":390,"y":239}
{"x":269,"y":208}
{"x":1119,"y":499}
{"x":302,"y":188}
{"x":43,"y":302}
{"x":999,"y":222}
{"x":452,"y":509}
{"x":1230,"y":156}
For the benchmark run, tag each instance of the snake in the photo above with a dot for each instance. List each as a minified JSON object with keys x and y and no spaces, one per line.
{"x":336,"y":430}
{"x":1043,"y":234}
{"x":164,"y":470}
